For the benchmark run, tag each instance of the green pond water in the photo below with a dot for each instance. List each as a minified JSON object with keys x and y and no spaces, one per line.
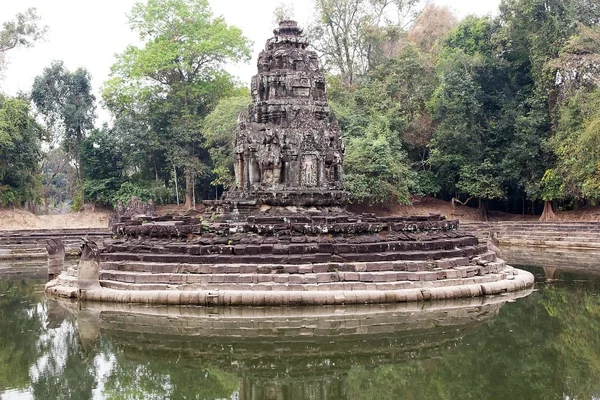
{"x":545,"y":345}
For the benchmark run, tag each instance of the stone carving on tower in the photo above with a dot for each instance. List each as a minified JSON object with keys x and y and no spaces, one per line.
{"x":288,"y":147}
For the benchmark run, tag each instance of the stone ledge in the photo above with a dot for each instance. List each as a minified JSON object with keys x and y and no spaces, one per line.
{"x":252,"y":297}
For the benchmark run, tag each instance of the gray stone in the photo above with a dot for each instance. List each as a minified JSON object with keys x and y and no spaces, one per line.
{"x":288,"y":147}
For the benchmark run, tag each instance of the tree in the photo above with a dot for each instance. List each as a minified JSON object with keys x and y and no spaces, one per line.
{"x":284,"y":11}
{"x":67,"y":105}
{"x":19,"y":153}
{"x":431,"y":26}
{"x":349,"y":33}
{"x":219,"y":133}
{"x":180,"y":65}
{"x":471,"y":107}
{"x":531,"y":36}
{"x":59,"y":178}
{"x":387,"y":106}
{"x":375,"y":171}
{"x":22,"y":31}
{"x":104,"y":162}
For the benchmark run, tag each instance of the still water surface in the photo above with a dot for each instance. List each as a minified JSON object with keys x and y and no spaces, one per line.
{"x":545,"y":345}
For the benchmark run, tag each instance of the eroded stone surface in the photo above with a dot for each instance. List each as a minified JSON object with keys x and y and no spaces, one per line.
{"x":288,"y":147}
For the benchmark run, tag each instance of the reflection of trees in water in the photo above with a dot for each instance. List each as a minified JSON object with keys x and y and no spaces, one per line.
{"x":546,"y":346}
{"x":63,"y":370}
{"x":20,"y":328}
{"x":160,"y":379}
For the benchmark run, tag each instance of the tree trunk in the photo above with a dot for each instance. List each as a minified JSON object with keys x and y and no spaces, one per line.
{"x":46,"y":208}
{"x":548,"y":213}
{"x":483,"y":210}
{"x":188,"y":188}
{"x":176,"y":187}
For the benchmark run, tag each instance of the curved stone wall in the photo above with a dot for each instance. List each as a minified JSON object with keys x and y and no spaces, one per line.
{"x":293,"y":259}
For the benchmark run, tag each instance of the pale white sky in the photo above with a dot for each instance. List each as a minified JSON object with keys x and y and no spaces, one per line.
{"x":87,"y":33}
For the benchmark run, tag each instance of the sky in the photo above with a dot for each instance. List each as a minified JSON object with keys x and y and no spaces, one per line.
{"x":88,"y":33}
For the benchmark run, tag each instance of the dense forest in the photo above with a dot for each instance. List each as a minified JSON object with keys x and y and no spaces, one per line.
{"x":502,"y":112}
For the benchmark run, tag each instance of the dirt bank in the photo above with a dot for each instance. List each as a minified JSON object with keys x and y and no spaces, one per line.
{"x":16,"y":219}
{"x":429,"y":205}
{"x":12,"y":219}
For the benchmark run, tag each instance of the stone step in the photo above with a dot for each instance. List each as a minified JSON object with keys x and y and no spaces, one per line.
{"x":552,"y":243}
{"x":468,"y":251}
{"x":161,"y":268}
{"x":22,"y":256}
{"x":325,"y":286}
{"x":306,"y":274}
{"x":291,"y":248}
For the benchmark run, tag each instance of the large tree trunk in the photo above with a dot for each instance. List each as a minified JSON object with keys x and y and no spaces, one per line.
{"x":548,"y":213}
{"x":483,"y":210}
{"x":188,"y":188}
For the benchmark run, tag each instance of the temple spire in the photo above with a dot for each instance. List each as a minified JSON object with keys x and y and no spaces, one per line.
{"x":289,"y":151}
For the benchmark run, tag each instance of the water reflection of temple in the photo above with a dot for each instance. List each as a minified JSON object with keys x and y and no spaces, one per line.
{"x":284,"y":353}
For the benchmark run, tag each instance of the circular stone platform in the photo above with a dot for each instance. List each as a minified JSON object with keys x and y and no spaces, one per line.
{"x":267,"y":243}
{"x":297,"y":258}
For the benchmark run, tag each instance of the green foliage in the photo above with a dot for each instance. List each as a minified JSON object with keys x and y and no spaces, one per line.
{"x":130,"y":189}
{"x":65,"y":101}
{"x":163,"y":90}
{"x":19,"y":153}
{"x":386,"y":127}
{"x":22,"y":31}
{"x":552,"y":186}
{"x":481,"y":181}
{"x":466,"y":149}
{"x":77,"y":202}
{"x":576,"y":144}
{"x":219,"y":133}
{"x":103,"y":159}
{"x":375,"y":173}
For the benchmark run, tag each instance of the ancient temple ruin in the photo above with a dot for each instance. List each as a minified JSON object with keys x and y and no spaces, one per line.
{"x":288,"y":147}
{"x":252,"y":249}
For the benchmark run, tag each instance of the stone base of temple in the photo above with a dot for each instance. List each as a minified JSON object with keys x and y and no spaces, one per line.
{"x":306,"y":198}
{"x":288,"y":259}
{"x":301,"y":293}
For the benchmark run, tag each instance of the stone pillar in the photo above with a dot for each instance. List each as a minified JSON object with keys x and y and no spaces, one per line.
{"x":56,"y":257}
{"x":239,"y":170}
{"x":321,"y":180}
{"x":246,"y":171}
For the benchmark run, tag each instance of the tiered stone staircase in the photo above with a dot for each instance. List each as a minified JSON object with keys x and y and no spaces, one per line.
{"x":571,"y":235}
{"x":29,"y":245}
{"x":294,"y":259}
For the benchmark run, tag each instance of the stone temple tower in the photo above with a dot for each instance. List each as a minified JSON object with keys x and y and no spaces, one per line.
{"x":288,"y":147}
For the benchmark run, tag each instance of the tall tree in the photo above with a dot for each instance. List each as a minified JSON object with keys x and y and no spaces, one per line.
{"x":19,"y":153}
{"x":349,"y":33}
{"x":179,"y":70}
{"x":22,"y":31}
{"x":473,"y":129}
{"x":531,"y":35}
{"x":67,"y":105}
{"x":431,"y":26}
